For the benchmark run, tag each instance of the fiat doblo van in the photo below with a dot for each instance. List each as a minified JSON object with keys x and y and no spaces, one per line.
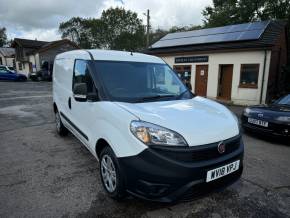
{"x":153,"y":137}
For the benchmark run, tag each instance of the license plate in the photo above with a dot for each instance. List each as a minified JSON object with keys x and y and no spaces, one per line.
{"x":258,"y":122}
{"x":222,"y":171}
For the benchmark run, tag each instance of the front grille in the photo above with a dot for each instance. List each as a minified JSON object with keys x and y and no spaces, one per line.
{"x":199,"y":153}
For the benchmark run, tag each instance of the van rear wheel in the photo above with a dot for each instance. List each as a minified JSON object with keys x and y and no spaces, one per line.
{"x":60,"y":128}
{"x":111,"y":175}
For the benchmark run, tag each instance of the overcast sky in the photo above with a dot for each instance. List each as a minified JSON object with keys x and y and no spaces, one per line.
{"x":40,"y":18}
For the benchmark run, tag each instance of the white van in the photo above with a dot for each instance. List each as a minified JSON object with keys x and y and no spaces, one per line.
{"x":153,"y":137}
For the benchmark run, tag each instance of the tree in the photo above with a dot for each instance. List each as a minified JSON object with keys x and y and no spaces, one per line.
{"x":156,"y":35}
{"x":279,"y":9}
{"x":184,"y":28}
{"x":96,"y":34}
{"x":123,"y":30}
{"x":117,"y":28}
{"x":226,"y":12}
{"x":76,"y":29}
{"x":3,"y":37}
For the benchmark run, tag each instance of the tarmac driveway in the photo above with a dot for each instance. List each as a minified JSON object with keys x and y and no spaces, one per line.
{"x":44,"y":175}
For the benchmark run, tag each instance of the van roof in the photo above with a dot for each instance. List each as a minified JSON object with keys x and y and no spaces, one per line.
{"x":110,"y":55}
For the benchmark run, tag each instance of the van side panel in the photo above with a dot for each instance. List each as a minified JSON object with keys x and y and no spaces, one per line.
{"x":95,"y":120}
{"x":62,"y":83}
{"x":108,"y":121}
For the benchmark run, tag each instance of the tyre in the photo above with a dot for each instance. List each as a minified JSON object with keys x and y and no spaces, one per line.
{"x":60,"y":128}
{"x":111,"y":176}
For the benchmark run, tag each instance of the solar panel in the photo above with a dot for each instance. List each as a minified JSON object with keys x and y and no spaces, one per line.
{"x":239,"y":32}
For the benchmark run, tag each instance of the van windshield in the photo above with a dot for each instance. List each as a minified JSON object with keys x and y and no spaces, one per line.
{"x":140,"y":82}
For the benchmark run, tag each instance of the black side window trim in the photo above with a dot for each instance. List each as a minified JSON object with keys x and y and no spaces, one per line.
{"x":96,"y":81}
{"x":73,"y":76}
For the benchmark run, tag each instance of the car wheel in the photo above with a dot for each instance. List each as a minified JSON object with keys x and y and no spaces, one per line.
{"x":111,"y":176}
{"x":60,"y":128}
{"x":39,"y":78}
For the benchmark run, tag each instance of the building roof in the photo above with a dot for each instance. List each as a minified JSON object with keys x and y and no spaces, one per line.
{"x":56,"y":43}
{"x":36,"y":46}
{"x":242,"y":36}
{"x":28,"y":43}
{"x":7,"y":52}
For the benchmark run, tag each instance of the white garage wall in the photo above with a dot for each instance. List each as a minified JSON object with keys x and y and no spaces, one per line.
{"x":7,"y":61}
{"x":31,"y":59}
{"x":25,"y":68}
{"x":242,"y":96}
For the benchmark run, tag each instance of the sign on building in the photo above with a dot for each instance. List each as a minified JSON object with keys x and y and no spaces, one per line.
{"x":191,"y":59}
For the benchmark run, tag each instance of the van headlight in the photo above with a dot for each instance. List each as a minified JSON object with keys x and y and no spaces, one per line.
{"x":151,"y":134}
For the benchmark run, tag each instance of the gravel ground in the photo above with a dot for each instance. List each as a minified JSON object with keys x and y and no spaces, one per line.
{"x":44,"y":175}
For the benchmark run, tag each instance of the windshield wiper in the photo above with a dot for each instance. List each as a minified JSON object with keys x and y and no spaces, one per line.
{"x":154,"y":97}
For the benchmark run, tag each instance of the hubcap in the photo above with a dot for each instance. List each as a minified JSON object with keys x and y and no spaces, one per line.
{"x":108,"y":173}
{"x":57,"y":121}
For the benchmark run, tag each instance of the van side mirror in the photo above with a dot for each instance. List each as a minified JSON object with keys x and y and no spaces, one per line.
{"x":93,"y":96}
{"x":80,"y":91}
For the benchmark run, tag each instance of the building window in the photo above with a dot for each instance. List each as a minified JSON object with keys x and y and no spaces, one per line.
{"x":1,"y":61}
{"x":249,"y":76}
{"x":20,"y":66}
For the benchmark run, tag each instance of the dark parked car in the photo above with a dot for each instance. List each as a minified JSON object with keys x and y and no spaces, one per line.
{"x":6,"y":74}
{"x":45,"y":74}
{"x":42,"y":75}
{"x":272,"y":119}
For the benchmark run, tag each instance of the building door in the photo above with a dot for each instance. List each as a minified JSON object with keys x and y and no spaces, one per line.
{"x":201,"y":75}
{"x":225,"y":82}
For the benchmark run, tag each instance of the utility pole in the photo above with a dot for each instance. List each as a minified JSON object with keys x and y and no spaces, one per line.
{"x":148,"y":27}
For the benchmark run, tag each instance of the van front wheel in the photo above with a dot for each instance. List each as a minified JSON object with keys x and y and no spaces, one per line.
{"x":60,"y":128}
{"x":111,"y":175}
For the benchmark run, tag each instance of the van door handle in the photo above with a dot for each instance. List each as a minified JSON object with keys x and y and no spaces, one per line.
{"x":69,"y":103}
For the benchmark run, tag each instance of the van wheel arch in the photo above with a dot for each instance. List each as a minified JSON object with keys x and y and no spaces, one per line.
{"x":104,"y":151}
{"x":61,"y":129}
{"x":54,"y":107}
{"x":100,"y":145}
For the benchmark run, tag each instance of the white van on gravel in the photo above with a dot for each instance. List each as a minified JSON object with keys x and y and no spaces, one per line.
{"x":154,"y":139}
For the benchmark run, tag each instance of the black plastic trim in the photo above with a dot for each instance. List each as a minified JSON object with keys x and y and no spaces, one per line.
{"x":192,"y":148}
{"x":91,"y":56}
{"x":74,"y":126}
{"x":152,"y":176}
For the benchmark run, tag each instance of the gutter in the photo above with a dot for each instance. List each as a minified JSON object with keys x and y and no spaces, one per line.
{"x":263,"y":76}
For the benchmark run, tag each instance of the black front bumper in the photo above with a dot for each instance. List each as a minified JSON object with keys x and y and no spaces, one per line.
{"x":274,"y":129}
{"x":166,"y":176}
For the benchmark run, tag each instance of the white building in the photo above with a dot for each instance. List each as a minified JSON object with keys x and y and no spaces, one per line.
{"x":34,"y":55}
{"x":242,"y":64}
{"x":7,"y":57}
